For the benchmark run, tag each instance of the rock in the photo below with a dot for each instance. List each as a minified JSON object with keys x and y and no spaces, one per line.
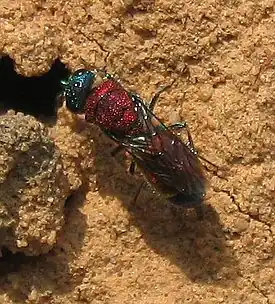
{"x":33,"y":186}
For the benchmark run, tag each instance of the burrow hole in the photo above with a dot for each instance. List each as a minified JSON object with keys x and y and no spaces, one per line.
{"x":36,"y":95}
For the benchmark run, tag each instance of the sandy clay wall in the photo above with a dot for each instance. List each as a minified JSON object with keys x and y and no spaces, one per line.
{"x":69,"y":230}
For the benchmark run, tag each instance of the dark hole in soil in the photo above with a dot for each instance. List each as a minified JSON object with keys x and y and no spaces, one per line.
{"x":10,"y":262}
{"x":36,"y":95}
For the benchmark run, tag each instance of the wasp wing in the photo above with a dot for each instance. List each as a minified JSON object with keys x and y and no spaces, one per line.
{"x":165,"y":158}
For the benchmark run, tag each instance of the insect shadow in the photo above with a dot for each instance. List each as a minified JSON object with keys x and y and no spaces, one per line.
{"x":196,"y":246}
{"x":49,"y":273}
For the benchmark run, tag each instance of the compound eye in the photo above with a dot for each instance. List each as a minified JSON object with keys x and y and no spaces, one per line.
{"x":78,"y":84}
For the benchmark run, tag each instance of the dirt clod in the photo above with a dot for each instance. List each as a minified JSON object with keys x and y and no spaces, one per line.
{"x":33,"y":186}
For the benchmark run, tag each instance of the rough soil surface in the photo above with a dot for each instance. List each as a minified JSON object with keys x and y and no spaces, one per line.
{"x":221,"y":54}
{"x":33,"y":186}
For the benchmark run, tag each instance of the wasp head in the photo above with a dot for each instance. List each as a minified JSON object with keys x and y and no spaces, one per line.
{"x":77,"y":88}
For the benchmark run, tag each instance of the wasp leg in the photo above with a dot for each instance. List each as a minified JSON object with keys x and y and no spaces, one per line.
{"x":157,"y":95}
{"x":116,"y":150}
{"x":190,"y":140}
{"x":191,"y":145}
{"x":108,"y":76}
{"x":132,"y":168}
{"x":210,"y":163}
{"x":183,"y":125}
{"x":138,"y":192}
{"x":178,"y":125}
{"x":199,"y":211}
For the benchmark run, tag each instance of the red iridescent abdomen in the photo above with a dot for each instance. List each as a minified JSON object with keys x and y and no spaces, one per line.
{"x":110,"y":107}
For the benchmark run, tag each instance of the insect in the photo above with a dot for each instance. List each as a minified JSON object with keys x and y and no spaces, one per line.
{"x":171,"y":165}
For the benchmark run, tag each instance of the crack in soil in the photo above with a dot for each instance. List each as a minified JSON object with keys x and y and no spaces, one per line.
{"x":260,"y":291}
{"x":252,"y":217}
